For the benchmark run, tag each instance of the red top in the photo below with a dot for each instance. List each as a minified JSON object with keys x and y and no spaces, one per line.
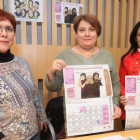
{"x":131,"y":67}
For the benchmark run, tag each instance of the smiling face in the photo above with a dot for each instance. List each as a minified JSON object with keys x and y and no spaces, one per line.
{"x":86,"y":35}
{"x":6,"y":39}
{"x":35,"y":14}
{"x":30,"y":3}
{"x":17,"y":3}
{"x":96,"y":76}
{"x":82,"y":77}
{"x":74,"y":11}
{"x":23,"y":12}
{"x":21,"y":6}
{"x":89,"y":78}
{"x":33,"y":9}
{"x":138,"y":37}
{"x":30,"y":13}
{"x":18,"y":10}
{"x":69,"y":11}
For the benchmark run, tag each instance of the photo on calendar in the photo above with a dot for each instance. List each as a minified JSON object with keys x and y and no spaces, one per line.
{"x":83,"y":82}
{"x":132,"y":90}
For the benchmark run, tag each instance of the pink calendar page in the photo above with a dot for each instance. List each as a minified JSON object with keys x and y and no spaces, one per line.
{"x":132,"y":91}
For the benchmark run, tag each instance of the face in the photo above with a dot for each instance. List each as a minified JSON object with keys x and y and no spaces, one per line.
{"x":35,"y":14}
{"x":24,"y":1}
{"x":66,"y":10}
{"x":34,"y":9}
{"x":74,"y":10}
{"x":18,"y":10}
{"x":86,"y":35}
{"x":96,"y":76}
{"x":17,"y":3}
{"x":69,"y":12}
{"x":82,"y":77}
{"x":30,"y":3}
{"x":89,"y":78}
{"x":36,"y":5}
{"x":23,"y":12}
{"x":21,"y":6}
{"x":30,"y":13}
{"x":138,"y":37}
{"x":6,"y":39}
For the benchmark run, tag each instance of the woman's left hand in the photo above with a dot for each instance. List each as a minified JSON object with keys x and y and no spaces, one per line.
{"x":117,"y":112}
{"x":45,"y":126}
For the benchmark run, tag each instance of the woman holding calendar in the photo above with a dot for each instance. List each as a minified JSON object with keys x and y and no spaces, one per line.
{"x":87,"y":28}
{"x":130,"y":65}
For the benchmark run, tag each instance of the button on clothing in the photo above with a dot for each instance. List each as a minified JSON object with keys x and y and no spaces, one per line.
{"x":131,"y":67}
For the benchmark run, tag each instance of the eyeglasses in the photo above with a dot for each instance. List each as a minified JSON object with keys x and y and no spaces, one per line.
{"x":7,"y":29}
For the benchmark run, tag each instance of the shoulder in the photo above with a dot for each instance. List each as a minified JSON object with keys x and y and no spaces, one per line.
{"x":106,"y":53}
{"x":128,"y":57}
{"x":21,"y":61}
{"x":64,"y":53}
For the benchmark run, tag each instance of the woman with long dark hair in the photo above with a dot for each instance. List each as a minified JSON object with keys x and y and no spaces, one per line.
{"x":82,"y":83}
{"x":130,"y":65}
{"x":97,"y":84}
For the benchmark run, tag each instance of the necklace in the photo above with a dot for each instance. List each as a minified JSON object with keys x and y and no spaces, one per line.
{"x":84,"y":54}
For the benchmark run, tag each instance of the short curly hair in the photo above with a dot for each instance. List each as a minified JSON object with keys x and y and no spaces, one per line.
{"x":8,"y":16}
{"x":90,"y":19}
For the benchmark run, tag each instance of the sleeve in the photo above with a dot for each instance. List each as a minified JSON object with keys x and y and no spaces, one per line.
{"x":1,"y":135}
{"x":57,"y":83}
{"x":115,"y":82}
{"x":122,"y":73}
{"x":41,"y":115}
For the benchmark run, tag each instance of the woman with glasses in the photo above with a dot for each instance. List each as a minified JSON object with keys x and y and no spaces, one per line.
{"x":19,"y":100}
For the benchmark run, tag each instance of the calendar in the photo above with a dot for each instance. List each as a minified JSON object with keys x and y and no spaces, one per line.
{"x":132,"y":109}
{"x":88,"y":99}
{"x":89,"y":116}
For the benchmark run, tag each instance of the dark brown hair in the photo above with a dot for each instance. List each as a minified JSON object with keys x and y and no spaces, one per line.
{"x":134,"y":45}
{"x":90,"y":19}
{"x":8,"y":16}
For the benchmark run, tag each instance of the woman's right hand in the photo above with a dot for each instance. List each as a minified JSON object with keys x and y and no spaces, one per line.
{"x":58,"y":64}
{"x":123,"y":100}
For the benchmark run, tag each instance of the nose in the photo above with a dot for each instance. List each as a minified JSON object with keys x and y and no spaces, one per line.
{"x":3,"y":32}
{"x":87,"y":33}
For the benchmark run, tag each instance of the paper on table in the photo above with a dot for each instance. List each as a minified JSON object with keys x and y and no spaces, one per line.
{"x":129,"y":138}
{"x":115,"y":137}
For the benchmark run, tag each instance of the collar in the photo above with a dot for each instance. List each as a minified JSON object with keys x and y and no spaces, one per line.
{"x":6,"y":57}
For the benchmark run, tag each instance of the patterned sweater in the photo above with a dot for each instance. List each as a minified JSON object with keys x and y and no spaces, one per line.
{"x":19,"y":101}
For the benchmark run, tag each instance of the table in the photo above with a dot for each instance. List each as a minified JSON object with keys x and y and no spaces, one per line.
{"x":134,"y":133}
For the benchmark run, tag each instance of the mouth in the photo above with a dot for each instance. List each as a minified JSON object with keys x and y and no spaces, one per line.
{"x":4,"y":42}
{"x":87,"y":39}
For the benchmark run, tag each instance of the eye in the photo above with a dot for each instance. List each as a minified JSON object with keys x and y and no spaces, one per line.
{"x":91,"y":29}
{"x":81,"y":30}
{"x":9,"y":29}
